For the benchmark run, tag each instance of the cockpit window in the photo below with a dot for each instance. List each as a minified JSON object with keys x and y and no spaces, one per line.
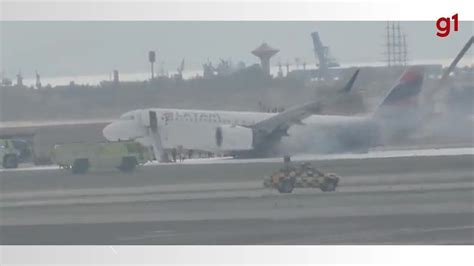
{"x":127,"y":116}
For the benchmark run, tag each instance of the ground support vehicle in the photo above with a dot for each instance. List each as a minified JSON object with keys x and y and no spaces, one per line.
{"x":80,"y":157}
{"x":9,"y":155}
{"x":305,"y":176}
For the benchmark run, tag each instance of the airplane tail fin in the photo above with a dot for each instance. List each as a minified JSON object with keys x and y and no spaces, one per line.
{"x":404,"y":95}
{"x":350,"y":83}
{"x":398,"y":116}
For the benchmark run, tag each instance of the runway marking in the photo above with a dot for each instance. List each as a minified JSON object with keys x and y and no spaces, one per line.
{"x":351,"y":181}
{"x":302,"y":157}
{"x":154,"y":234}
{"x":316,"y":157}
{"x":248,"y":211}
{"x":31,"y":168}
{"x":244,"y":193}
{"x":181,"y":188}
{"x":436,"y":229}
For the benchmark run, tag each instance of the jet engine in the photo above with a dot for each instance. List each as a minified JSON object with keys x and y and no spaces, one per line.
{"x":234,"y":138}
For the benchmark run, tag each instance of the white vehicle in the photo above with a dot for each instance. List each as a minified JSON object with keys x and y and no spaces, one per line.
{"x":257,"y":134}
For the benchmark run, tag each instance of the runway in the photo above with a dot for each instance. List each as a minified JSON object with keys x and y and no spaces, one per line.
{"x":401,"y":200}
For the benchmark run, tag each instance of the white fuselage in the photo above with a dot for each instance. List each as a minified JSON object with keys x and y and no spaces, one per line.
{"x":196,"y":130}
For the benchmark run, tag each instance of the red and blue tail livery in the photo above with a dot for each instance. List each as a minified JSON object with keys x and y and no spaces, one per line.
{"x":406,"y":92}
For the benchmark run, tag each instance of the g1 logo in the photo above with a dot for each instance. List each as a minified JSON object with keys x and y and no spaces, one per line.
{"x":443,"y":25}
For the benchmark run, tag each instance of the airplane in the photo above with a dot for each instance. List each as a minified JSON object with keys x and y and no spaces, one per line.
{"x":255,"y":134}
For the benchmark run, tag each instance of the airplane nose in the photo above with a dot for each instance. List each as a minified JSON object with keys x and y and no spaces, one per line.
{"x":109,"y":132}
{"x":122,"y":130}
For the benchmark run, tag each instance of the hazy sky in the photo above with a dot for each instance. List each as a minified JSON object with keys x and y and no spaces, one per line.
{"x":77,"y":48}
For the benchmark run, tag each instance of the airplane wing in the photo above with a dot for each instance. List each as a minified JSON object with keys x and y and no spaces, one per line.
{"x":275,"y":127}
{"x":287,"y":118}
{"x":281,"y":122}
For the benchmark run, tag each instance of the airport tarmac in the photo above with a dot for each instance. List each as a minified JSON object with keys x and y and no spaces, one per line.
{"x":402,"y":200}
